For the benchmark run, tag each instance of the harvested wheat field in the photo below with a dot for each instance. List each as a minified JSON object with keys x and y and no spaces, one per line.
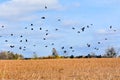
{"x":60,"y":69}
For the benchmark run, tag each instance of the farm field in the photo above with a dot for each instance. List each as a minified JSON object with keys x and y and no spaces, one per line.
{"x":61,"y":69}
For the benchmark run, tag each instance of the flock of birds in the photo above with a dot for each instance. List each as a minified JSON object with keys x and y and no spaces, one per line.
{"x":26,"y":40}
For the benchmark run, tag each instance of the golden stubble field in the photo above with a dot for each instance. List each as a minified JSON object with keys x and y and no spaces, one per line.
{"x":61,"y":69}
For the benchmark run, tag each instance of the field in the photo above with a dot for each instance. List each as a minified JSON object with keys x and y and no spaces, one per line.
{"x":61,"y":69}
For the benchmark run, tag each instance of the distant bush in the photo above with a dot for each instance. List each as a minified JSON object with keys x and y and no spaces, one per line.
{"x":6,"y":55}
{"x":110,"y":53}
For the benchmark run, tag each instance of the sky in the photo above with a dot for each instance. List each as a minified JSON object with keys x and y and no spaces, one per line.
{"x":63,"y":15}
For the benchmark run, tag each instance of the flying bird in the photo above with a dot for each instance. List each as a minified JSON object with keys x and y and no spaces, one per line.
{"x":88,"y":45}
{"x":45,"y":7}
{"x":83,"y":28}
{"x":42,"y":17}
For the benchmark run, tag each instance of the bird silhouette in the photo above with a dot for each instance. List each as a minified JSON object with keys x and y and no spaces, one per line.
{"x":110,"y":27}
{"x":11,"y":34}
{"x":98,"y":42}
{"x":2,"y":26}
{"x":62,"y":47}
{"x":73,"y":28}
{"x":83,"y":29}
{"x":40,"y":28}
{"x":42,"y":17}
{"x":31,"y":24}
{"x":88,"y":45}
{"x":45,"y":7}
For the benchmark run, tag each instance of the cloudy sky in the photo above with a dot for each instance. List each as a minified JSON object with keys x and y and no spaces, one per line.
{"x":17,"y":16}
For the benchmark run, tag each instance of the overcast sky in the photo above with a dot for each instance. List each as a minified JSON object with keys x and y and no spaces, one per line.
{"x":99,"y":15}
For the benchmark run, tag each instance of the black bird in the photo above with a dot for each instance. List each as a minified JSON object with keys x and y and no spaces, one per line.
{"x":88,"y":45}
{"x":114,"y":30}
{"x":21,"y":36}
{"x":25,"y":27}
{"x":87,"y":26}
{"x":62,"y":47}
{"x":78,"y":32}
{"x":59,"y":20}
{"x":46,"y":30}
{"x":96,"y":48}
{"x":20,"y":40}
{"x":42,"y":17}
{"x":65,"y":51}
{"x":56,"y":29}
{"x":105,"y":38}
{"x":98,"y":42}
{"x":44,"y":38}
{"x":40,"y":28}
{"x":26,"y":40}
{"x":52,"y":43}
{"x":83,"y":28}
{"x":31,"y":24}
{"x":12,"y":46}
{"x":46,"y":34}
{"x":46,"y":46}
{"x":71,"y":47}
{"x":110,"y":27}
{"x":2,"y":26}
{"x":73,"y":28}
{"x":31,"y":28}
{"x":11,"y":34}
{"x":45,"y":7}
{"x":6,"y":40}
{"x":91,"y":24}
{"x":73,"y":50}
{"x":20,"y":47}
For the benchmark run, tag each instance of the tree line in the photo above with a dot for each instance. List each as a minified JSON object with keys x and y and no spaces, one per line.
{"x":109,"y":53}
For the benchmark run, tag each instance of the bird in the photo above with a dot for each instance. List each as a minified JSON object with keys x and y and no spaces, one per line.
{"x":46,"y":30}
{"x":88,"y":45}
{"x":31,"y":28}
{"x":20,"y":47}
{"x":44,"y":38}
{"x":2,"y":26}
{"x":105,"y":38}
{"x":73,"y":28}
{"x":56,"y":29}
{"x":46,"y":34}
{"x":114,"y":30}
{"x":98,"y":42}
{"x":62,"y":47}
{"x":42,"y":17}
{"x":59,"y":20}
{"x":87,"y":26}
{"x":11,"y":34}
{"x":78,"y":32}
{"x":83,"y":28}
{"x":46,"y":46}
{"x":25,"y":27}
{"x":26,"y":40}
{"x":45,"y":7}
{"x":20,"y":40}
{"x":52,"y":43}
{"x":71,"y":47}
{"x":73,"y":50}
{"x":21,"y":36}
{"x":6,"y":40}
{"x":12,"y":46}
{"x":65,"y":51}
{"x":40,"y":28}
{"x":31,"y":24}
{"x":110,"y":27}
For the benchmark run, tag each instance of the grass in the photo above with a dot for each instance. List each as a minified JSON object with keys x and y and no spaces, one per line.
{"x":61,"y":69}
